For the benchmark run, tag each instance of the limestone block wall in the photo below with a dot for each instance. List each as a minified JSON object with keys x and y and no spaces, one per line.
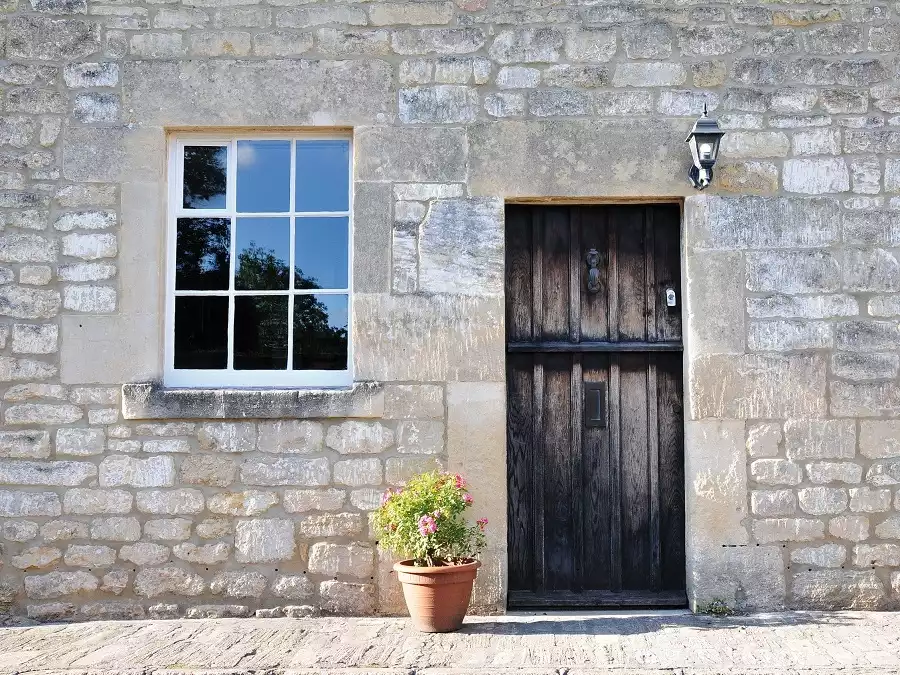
{"x":136,"y":501}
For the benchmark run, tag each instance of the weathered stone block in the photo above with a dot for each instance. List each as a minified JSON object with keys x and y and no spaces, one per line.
{"x":795,"y":272}
{"x":347,"y":599}
{"x":238,"y":584}
{"x":248,"y":503}
{"x":116,"y":528}
{"x":330,"y":525}
{"x":405,"y":401}
{"x":208,"y":470}
{"x":527,"y":45}
{"x":871,"y":270}
{"x":820,"y":439}
{"x":300,"y":501}
{"x":869,"y":500}
{"x":775,"y":472}
{"x":876,"y":555}
{"x":438,"y":104}
{"x":443,"y":41}
{"x":834,"y":472}
{"x":43,"y":39}
{"x":297,"y":587}
{"x":650,"y":74}
{"x":770,"y":503}
{"x":805,"y":307}
{"x":289,"y":437}
{"x":170,"y":502}
{"x":19,"y":530}
{"x":879,"y":439}
{"x":787,"y":529}
{"x":763,"y":440}
{"x":786,"y":336}
{"x":155,"y":581}
{"x":420,"y":437}
{"x":888,"y":529}
{"x":89,"y":501}
{"x":45,"y":473}
{"x":359,"y":437}
{"x":62,"y":530}
{"x":854,"y":528}
{"x":36,"y":557}
{"x":210,"y":554}
{"x":829,"y":555}
{"x":144,"y":553}
{"x":51,"y":611}
{"x":119,"y":470}
{"x":384,"y":153}
{"x":59,"y":584}
{"x":862,"y":336}
{"x":358,"y":472}
{"x":29,"y":444}
{"x":286,"y":471}
{"x":90,"y":556}
{"x":864,"y":399}
{"x":837,"y":589}
{"x":264,"y":540}
{"x":398,"y":470}
{"x":461,"y":247}
{"x":80,"y":442}
{"x":820,"y":501}
{"x":411,"y":14}
{"x":18,"y":504}
{"x":228,"y":437}
{"x":352,"y":560}
{"x":82,"y":75}
{"x":168,"y":529}
{"x":214,"y":528}
{"x":757,"y":386}
{"x":113,"y":611}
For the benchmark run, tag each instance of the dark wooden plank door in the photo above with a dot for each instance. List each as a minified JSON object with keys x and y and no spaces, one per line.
{"x":595,"y":410}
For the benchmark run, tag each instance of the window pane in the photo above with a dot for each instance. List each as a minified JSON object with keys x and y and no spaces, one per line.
{"x":321,"y":253}
{"x":205,"y":167}
{"x":260,"y":332}
{"x":201,"y":332}
{"x":323,"y":176}
{"x":263,"y":250}
{"x":320,"y":332}
{"x":202,"y":254}
{"x":263,"y":176}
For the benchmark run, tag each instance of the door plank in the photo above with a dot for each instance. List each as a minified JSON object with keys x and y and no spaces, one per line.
{"x":615,"y":474}
{"x":631,"y":296}
{"x":634,"y":468}
{"x":594,"y":306}
{"x":576,"y":489}
{"x":669,"y":374}
{"x":520,"y":375}
{"x":555,"y":261}
{"x":519,"y":275}
{"x":667,"y":248}
{"x":557,"y":455}
{"x":596,"y":499}
{"x":539,"y":581}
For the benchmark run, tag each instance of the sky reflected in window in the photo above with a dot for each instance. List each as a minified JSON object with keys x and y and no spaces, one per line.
{"x":321,"y":252}
{"x":263,"y":176}
{"x":205,"y":169}
{"x":262,"y":254}
{"x":323,"y":176}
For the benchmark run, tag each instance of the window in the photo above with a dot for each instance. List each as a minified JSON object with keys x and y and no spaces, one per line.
{"x":258,"y":271}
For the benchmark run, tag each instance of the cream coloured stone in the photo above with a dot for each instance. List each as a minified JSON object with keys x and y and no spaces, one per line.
{"x":359,"y":437}
{"x":38,"y":413}
{"x":264,"y":540}
{"x":36,"y":557}
{"x":170,"y":502}
{"x":787,"y":529}
{"x":773,"y":502}
{"x":80,"y":442}
{"x":64,"y":530}
{"x":404,"y":401}
{"x":834,"y":472}
{"x":156,"y":581}
{"x":820,"y":501}
{"x":876,"y":555}
{"x":19,"y":530}
{"x":869,"y":500}
{"x":853,"y":528}
{"x":144,"y":553}
{"x":763,"y":440}
{"x":59,"y":584}
{"x":207,"y":470}
{"x":358,"y":472}
{"x":168,"y":529}
{"x":351,"y":560}
{"x":119,"y":470}
{"x":366,"y":499}
{"x":290,"y":436}
{"x":330,"y":525}
{"x":829,"y":555}
{"x":238,"y":584}
{"x":347,"y":599}
{"x":167,"y":446}
{"x":115,"y":582}
{"x":879,"y":438}
{"x":90,"y":556}
{"x":214,"y":528}
{"x":116,"y":528}
{"x":300,"y":501}
{"x":289,"y":587}
{"x":837,"y":589}
{"x":248,"y":503}
{"x":68,"y":474}
{"x":90,"y":501}
{"x":398,"y":470}
{"x":30,"y":444}
{"x":209,"y":554}
{"x":775,"y":472}
{"x":286,"y":471}
{"x":228,"y":437}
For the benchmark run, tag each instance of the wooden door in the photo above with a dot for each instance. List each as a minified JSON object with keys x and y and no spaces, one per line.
{"x":594,"y":380}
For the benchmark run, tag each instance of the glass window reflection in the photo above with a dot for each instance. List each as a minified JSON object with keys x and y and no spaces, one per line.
{"x":263,"y":176}
{"x":321,"y":256}
{"x":323,"y":175}
{"x":202,"y":254}
{"x":201,"y":332}
{"x":205,"y":170}
{"x":260,"y":332}
{"x":262,"y":254}
{"x":320,"y":332}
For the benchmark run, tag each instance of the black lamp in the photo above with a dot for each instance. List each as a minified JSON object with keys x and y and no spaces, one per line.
{"x":704,"y":143}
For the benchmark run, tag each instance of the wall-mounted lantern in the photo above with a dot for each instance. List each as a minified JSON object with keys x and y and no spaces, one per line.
{"x":704,"y":143}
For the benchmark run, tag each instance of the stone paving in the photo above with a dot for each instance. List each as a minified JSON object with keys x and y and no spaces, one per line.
{"x":530,"y":644}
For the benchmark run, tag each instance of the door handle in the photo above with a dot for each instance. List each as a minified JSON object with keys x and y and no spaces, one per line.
{"x":595,"y":404}
{"x":592,"y":259}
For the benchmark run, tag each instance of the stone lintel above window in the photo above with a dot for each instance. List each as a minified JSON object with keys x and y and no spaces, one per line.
{"x":151,"y":401}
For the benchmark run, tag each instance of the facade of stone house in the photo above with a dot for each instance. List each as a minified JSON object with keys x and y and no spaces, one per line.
{"x":170,"y":447}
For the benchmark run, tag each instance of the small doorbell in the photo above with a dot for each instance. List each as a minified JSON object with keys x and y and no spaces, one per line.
{"x":671,"y":300}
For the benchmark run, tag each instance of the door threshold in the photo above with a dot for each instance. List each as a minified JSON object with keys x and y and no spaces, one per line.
{"x":560,"y":600}
{"x":575,"y":614}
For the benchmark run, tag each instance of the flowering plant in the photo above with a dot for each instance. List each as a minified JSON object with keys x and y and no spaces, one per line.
{"x":424,"y":520}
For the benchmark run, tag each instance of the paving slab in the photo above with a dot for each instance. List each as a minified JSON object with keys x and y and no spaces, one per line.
{"x":801,"y":643}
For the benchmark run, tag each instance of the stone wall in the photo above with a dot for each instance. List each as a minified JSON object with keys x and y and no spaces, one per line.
{"x":138,"y":501}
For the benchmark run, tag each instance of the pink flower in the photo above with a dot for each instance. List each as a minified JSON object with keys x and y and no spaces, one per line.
{"x":481,"y":523}
{"x":468,"y":499}
{"x":386,"y":497}
{"x":427,"y":525}
{"x":460,"y":482}
{"x":437,"y":514}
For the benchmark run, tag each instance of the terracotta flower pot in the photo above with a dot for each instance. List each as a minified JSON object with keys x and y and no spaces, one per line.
{"x":437,"y":597}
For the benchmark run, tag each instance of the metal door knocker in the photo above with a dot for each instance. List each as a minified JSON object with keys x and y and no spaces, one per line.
{"x":593,"y":276}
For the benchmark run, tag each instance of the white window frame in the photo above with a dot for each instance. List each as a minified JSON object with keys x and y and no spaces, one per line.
{"x":228,"y":377}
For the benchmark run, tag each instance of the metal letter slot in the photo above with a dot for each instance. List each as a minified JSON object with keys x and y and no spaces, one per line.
{"x":595,"y":404}
{"x":671,"y":300}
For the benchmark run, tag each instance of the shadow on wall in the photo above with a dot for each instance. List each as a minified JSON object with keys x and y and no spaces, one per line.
{"x":630,"y":624}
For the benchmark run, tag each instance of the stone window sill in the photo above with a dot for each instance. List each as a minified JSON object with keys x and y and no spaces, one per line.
{"x":151,"y":401}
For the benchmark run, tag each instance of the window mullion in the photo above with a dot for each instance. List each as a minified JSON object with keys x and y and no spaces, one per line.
{"x":231,"y":201}
{"x":293,"y":207}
